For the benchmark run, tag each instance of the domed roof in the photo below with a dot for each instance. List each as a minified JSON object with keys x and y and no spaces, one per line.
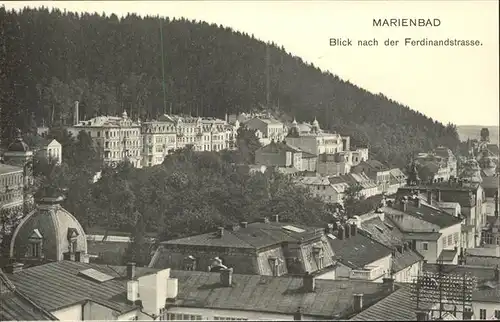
{"x":315,"y":122}
{"x":18,"y":145}
{"x":53,"y":226}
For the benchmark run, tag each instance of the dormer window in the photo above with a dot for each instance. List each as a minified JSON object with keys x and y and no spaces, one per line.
{"x":72,"y":240}
{"x":35,"y":244}
{"x":318,"y":256}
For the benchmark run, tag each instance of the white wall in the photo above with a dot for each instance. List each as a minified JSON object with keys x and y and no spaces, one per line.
{"x":70,"y":313}
{"x":489,"y":307}
{"x":407,"y":274}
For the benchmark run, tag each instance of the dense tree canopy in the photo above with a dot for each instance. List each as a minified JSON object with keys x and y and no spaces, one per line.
{"x":50,"y":59}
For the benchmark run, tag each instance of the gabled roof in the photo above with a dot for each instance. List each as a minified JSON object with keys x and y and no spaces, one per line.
{"x":358,"y":251}
{"x":285,"y":295}
{"x":254,"y":236}
{"x":277,"y":147}
{"x":398,"y":306}
{"x":389,"y":234}
{"x":15,"y":306}
{"x":426,"y":213}
{"x":58,"y":284}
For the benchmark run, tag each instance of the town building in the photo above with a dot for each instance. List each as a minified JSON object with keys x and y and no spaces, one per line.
{"x":279,"y":154}
{"x":81,"y":291}
{"x":406,"y":262}
{"x":262,"y":248}
{"x":449,"y":158}
{"x":117,"y":138}
{"x":368,"y":187}
{"x":379,"y":173}
{"x":323,"y":188}
{"x":357,"y":256}
{"x":491,"y":232}
{"x":50,"y":150}
{"x":434,"y":233}
{"x":334,"y":164}
{"x":77,"y":291}
{"x":485,"y":296}
{"x":11,"y":186}
{"x":267,"y":128}
{"x":16,"y":306}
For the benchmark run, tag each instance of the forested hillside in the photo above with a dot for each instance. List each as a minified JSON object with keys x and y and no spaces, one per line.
{"x":50,"y":59}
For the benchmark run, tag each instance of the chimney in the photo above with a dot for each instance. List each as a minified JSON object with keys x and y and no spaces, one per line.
{"x":404,"y":205}
{"x":226,"y":277}
{"x":389,"y":283}
{"x":340,"y":233}
{"x":265,"y":220}
{"x":438,"y":195}
{"x":297,"y":316}
{"x":358,"y":302}
{"x":347,"y":231}
{"x":76,"y":113}
{"x":14,"y":268}
{"x":220,"y":232}
{"x":417,"y":201}
{"x":131,"y":271}
{"x":244,"y":224}
{"x":277,"y":218}
{"x":308,"y":283}
{"x":467,"y":315}
{"x":422,"y":316}
{"x":354,"y":229}
{"x":405,"y":246}
{"x":429,"y":197}
{"x":496,"y":204}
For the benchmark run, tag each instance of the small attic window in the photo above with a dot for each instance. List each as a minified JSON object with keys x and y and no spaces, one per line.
{"x":293,"y":229}
{"x":96,"y":275}
{"x":389,"y":226}
{"x":379,"y":229}
{"x":35,"y":244}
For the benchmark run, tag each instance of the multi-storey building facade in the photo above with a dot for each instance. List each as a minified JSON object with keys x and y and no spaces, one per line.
{"x":170,"y":132}
{"x":118,"y":138}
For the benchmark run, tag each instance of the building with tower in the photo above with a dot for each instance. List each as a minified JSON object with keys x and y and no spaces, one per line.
{"x":117,"y":138}
{"x":48,"y":233}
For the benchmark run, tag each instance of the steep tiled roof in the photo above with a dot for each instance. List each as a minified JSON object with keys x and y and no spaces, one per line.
{"x":389,"y":235}
{"x":431,"y":236}
{"x":354,"y":178}
{"x":273,"y":294}
{"x":376,"y":165}
{"x":58,"y":284}
{"x":358,"y":251}
{"x":277,"y":147}
{"x":307,"y":155}
{"x":447,"y":255}
{"x":15,"y":306}
{"x":426,"y":213}
{"x":398,"y":306}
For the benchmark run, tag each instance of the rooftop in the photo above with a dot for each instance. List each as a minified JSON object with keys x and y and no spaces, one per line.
{"x":426,"y":213}
{"x":6,"y":168}
{"x":15,"y":306}
{"x":388,"y":234}
{"x":254,"y":236}
{"x":331,"y":299}
{"x":358,"y":251}
{"x":60,"y":284}
{"x":398,"y":306}
{"x":277,"y":147}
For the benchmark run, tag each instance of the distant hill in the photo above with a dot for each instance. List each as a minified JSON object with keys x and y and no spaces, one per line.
{"x":472,"y":132}
{"x":52,"y":58}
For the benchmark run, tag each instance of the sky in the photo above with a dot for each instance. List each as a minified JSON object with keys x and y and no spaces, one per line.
{"x":450,"y":84}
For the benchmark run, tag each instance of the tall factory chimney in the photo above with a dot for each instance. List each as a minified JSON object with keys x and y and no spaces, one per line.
{"x":75,"y":114}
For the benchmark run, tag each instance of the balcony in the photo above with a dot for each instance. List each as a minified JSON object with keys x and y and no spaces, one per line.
{"x":369,"y":273}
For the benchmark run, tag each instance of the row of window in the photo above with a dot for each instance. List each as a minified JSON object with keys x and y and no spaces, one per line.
{"x":11,"y":179}
{"x":482,"y":314}
{"x":9,"y":196}
{"x":450,"y":240}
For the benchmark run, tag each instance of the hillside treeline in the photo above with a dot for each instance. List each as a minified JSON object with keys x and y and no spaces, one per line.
{"x":51,"y":58}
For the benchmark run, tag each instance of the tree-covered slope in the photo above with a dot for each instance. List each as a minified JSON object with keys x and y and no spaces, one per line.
{"x":51,"y":58}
